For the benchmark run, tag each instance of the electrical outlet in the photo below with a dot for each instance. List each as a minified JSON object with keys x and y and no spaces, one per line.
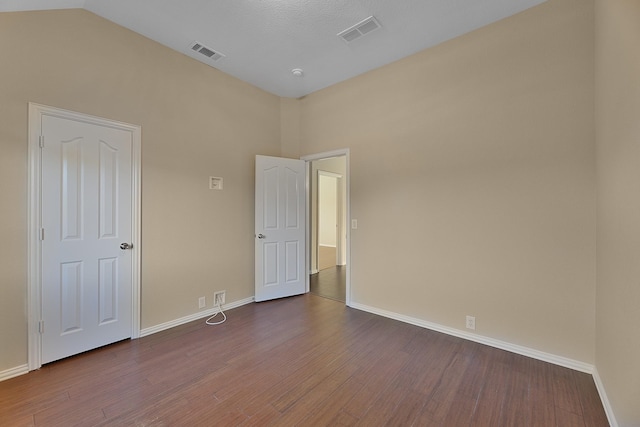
{"x":218,"y":297}
{"x":202,"y":302}
{"x":471,"y":322}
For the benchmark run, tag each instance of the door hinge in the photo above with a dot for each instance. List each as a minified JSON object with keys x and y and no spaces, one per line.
{"x":41,"y":326}
{"x":41,"y":141}
{"x":42,"y":234}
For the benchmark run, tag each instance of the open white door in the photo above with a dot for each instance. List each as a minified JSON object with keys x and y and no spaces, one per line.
{"x":279,"y":228}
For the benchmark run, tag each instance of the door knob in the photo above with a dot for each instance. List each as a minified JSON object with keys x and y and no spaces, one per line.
{"x":124,"y":246}
{"x":261,"y":236}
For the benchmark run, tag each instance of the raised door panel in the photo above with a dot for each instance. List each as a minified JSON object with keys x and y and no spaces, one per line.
{"x":293,"y":203}
{"x":107,"y":290}
{"x":270,"y":199}
{"x":71,"y":297}
{"x":292,"y":261}
{"x":270,"y":263}
{"x":108,"y":197}
{"x":71,"y":174}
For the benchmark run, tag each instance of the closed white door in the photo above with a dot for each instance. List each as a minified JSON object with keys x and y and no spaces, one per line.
{"x":86,"y":217}
{"x":279,"y":228}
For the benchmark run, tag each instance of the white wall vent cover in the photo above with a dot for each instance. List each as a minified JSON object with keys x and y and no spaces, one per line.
{"x":360,"y":29}
{"x":206,"y":51}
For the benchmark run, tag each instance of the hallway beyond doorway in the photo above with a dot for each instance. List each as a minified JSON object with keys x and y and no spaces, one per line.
{"x":329,"y":283}
{"x":326,"y":257}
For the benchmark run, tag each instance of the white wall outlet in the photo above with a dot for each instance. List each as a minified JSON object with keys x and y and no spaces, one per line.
{"x":219,"y":297}
{"x":471,"y":322}
{"x":354,"y":224}
{"x":202,"y":302}
{"x":215,"y":183}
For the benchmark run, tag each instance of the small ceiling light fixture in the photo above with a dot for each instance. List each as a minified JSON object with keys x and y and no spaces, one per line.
{"x":297,"y":72}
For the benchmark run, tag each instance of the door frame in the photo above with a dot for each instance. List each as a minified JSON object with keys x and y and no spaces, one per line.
{"x":34,"y":214}
{"x":321,"y":156}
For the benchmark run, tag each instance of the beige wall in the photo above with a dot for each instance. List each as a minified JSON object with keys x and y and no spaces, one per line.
{"x":290,"y":128}
{"x":327,"y":210}
{"x":196,"y":122}
{"x":618,"y":142}
{"x":473,"y":179}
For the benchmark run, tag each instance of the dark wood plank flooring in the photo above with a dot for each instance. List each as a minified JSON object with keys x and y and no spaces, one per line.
{"x":330,"y":283}
{"x":306,"y":361}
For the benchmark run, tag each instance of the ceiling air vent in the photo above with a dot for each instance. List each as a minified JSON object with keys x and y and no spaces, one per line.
{"x":360,"y":29}
{"x":206,"y":51}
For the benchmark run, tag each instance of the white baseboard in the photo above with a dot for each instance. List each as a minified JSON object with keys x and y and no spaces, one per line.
{"x":24,"y":369}
{"x":503,"y":345}
{"x":199,"y":315}
{"x":605,"y":400}
{"x":14,"y":372}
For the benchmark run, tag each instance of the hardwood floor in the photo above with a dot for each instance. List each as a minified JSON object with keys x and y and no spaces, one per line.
{"x":305,"y":361}
{"x":330,"y":283}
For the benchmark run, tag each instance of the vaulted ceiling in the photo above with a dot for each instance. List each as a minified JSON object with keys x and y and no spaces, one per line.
{"x":263,"y":41}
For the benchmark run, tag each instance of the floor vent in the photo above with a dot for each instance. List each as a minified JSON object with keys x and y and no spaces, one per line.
{"x":206,"y":51}
{"x":360,"y":29}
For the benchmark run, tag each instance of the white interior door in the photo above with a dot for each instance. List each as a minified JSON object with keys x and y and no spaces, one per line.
{"x":86,"y":216}
{"x":279,"y":228}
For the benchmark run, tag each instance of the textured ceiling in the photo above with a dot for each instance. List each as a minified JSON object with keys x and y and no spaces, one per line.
{"x":263,"y":40}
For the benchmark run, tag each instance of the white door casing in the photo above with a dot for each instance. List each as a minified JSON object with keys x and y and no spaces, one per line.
{"x":279,"y":228}
{"x":346,"y":218}
{"x":84,"y":205}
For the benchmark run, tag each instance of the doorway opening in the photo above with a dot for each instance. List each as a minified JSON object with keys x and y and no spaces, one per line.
{"x":328,"y":240}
